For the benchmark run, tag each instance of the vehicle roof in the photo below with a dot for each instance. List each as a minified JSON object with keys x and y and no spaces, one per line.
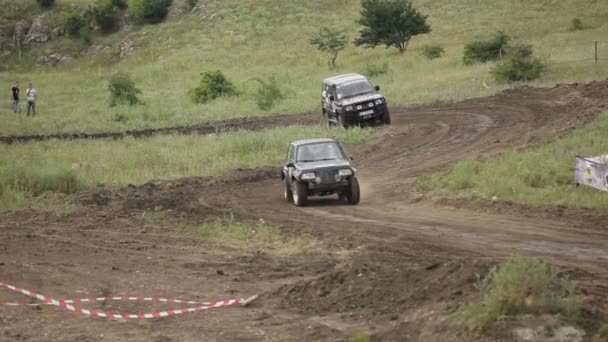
{"x":345,"y":78}
{"x":312,"y":141}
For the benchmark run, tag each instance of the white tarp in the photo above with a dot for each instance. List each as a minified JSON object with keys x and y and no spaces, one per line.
{"x":592,"y":171}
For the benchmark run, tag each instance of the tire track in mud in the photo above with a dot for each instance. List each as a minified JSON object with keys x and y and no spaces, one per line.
{"x":423,"y":139}
{"x":225,"y":126}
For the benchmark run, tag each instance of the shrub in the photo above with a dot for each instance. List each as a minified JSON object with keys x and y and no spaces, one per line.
{"x":520,"y":65}
{"x":433,"y":51}
{"x":85,"y":35}
{"x":73,"y":23}
{"x":576,"y":24}
{"x":269,"y":94}
{"x":521,"y":285}
{"x":213,"y":84}
{"x":123,"y":90}
{"x":149,"y":11}
{"x":105,"y":14}
{"x":485,"y":50}
{"x":374,"y":70}
{"x":45,"y":3}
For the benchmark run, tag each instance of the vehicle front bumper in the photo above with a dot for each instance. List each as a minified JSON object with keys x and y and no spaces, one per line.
{"x":353,"y":117}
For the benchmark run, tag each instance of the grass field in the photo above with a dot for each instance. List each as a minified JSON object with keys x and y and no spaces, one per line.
{"x":28,"y":170}
{"x":543,"y":175}
{"x":259,"y":38}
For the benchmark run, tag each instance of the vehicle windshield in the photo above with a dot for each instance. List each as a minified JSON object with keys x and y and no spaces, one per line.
{"x":354,"y":88}
{"x":319,"y":152}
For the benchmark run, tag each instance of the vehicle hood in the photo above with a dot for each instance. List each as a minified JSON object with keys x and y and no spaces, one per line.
{"x":359,"y":98}
{"x":305,"y":166}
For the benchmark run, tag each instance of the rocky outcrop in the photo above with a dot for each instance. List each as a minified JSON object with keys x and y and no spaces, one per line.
{"x":39,"y":33}
{"x":175,"y":11}
{"x":128,"y":47}
{"x":54,"y":59}
{"x":97,"y":49}
{"x":22,"y":27}
{"x":57,"y":32}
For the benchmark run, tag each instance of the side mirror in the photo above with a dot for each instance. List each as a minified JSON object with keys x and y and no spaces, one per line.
{"x":331,"y":98}
{"x":290,"y":164}
{"x":377,"y":88}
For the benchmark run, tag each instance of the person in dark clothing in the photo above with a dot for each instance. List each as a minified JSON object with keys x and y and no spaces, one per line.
{"x":15,"y":97}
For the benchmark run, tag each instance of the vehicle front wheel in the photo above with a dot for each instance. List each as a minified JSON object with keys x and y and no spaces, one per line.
{"x":341,"y":121}
{"x":386,"y":118}
{"x":287,"y":192}
{"x":299,"y":193}
{"x":353,"y":194}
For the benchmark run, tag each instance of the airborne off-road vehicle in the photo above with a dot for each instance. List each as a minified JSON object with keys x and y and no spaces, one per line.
{"x":319,"y":167}
{"x":351,"y":99}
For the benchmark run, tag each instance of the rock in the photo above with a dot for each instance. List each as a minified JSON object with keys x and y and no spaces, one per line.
{"x":53,"y":59}
{"x":525,"y":334}
{"x":128,"y":47}
{"x":22,"y":27}
{"x":97,"y":49}
{"x":175,"y":11}
{"x":39,"y":33}
{"x":57,"y":32}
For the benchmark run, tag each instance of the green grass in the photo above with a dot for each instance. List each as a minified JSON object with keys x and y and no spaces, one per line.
{"x":260,"y":38}
{"x":542,"y":175}
{"x":251,"y":236}
{"x":27,"y":170}
{"x":521,"y":285}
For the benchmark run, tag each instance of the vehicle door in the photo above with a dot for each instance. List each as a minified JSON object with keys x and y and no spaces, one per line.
{"x":325,"y":102}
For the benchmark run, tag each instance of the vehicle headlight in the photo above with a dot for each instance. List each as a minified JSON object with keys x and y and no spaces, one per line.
{"x":348,"y":108}
{"x":359,"y":107}
{"x":345,"y":172}
{"x":308,"y":176}
{"x":379,"y":101}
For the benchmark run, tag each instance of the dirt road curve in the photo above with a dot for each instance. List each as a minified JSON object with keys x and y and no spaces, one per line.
{"x":390,"y":267}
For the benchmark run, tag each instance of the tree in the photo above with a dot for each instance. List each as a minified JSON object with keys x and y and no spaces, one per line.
{"x":331,"y":41}
{"x":391,"y":23}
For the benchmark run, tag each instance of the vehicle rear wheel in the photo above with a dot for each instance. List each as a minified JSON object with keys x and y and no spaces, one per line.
{"x":386,"y":118}
{"x":299,"y":193}
{"x":287,"y":192}
{"x":353,"y":194}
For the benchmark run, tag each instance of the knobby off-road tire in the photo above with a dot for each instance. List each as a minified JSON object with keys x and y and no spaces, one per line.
{"x":341,"y":122}
{"x":287,"y":192}
{"x":386,"y":118}
{"x":299,"y":193}
{"x":353,"y":195}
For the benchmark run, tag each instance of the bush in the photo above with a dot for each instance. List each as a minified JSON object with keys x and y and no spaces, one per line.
{"x":213,"y":84}
{"x":520,"y":65}
{"x":373,"y":70}
{"x":269,"y":94}
{"x":73,"y":23}
{"x":484,"y":51}
{"x":123,"y":90}
{"x":105,"y":14}
{"x":521,"y":285}
{"x":576,"y":25}
{"x":433,"y":51}
{"x":149,"y":11}
{"x":45,"y":3}
{"x":85,"y":35}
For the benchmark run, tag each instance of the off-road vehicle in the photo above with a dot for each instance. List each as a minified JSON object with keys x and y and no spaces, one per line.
{"x":351,"y":99}
{"x":319,"y":167}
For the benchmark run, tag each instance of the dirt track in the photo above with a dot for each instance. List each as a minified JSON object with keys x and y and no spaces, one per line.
{"x":390,"y":267}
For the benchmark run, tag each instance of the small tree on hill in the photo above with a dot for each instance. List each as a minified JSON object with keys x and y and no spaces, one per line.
{"x":331,"y":41}
{"x":391,"y":23}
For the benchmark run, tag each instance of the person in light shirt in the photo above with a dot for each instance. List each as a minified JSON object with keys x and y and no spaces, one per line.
{"x":31,"y":100}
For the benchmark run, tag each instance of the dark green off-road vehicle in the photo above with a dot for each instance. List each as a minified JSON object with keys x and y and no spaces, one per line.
{"x":319,"y":167}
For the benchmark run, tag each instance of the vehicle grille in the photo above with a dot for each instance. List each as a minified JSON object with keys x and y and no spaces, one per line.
{"x":328,"y":176}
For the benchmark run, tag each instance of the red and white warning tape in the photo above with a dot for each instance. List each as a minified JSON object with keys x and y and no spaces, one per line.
{"x":68,"y":304}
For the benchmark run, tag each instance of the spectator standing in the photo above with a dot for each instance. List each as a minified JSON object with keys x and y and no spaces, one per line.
{"x":31,"y":100}
{"x":15,"y":97}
